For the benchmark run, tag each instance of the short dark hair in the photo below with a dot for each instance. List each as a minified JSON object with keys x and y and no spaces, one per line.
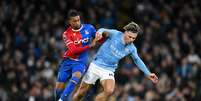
{"x":72,"y":13}
{"x":133,"y":27}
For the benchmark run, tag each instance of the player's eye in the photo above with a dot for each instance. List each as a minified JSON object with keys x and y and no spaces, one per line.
{"x":131,"y":37}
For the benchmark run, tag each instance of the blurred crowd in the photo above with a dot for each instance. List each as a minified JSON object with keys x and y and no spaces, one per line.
{"x":31,"y":47}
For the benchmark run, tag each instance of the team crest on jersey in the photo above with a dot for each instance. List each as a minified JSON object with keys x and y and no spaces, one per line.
{"x":86,"y":32}
{"x":126,"y":49}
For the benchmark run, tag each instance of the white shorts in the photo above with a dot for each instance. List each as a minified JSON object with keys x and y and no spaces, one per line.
{"x":95,"y":72}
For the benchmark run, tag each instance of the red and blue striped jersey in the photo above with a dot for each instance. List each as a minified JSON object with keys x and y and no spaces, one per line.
{"x":77,"y":42}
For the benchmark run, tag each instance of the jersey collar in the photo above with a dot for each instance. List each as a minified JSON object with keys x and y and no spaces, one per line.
{"x":122,"y":39}
{"x":77,"y":29}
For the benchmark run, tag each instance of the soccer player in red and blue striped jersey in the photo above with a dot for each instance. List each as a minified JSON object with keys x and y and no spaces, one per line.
{"x":78,"y":39}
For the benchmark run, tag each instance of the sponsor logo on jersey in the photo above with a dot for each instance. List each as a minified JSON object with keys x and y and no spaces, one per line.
{"x":126,"y":49}
{"x":116,"y":52}
{"x":85,"y":40}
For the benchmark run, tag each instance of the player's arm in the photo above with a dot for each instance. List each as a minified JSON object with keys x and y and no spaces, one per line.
{"x":96,"y":37}
{"x":106,"y":32}
{"x":72,"y":48}
{"x":140,"y":64}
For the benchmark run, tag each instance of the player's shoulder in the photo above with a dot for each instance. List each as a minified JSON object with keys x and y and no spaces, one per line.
{"x":67,"y":30}
{"x":116,"y":33}
{"x":113,"y":31}
{"x":88,"y":25}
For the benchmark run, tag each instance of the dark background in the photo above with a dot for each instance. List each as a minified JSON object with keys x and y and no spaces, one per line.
{"x":31,"y":47}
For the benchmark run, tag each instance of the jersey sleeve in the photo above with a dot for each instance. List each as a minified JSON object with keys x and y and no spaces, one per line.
{"x":138,"y":61}
{"x":72,"y":48}
{"x":110,"y":31}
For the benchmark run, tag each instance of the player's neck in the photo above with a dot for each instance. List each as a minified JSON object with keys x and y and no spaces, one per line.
{"x":123,"y":39}
{"x":76,"y":30}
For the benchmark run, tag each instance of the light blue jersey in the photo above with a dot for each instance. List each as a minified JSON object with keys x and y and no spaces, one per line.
{"x":114,"y":49}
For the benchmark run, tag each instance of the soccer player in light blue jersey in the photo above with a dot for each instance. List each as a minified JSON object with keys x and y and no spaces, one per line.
{"x":104,"y":64}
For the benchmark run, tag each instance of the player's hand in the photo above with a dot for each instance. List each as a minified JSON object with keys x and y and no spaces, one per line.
{"x":98,"y":36}
{"x":153,"y":78}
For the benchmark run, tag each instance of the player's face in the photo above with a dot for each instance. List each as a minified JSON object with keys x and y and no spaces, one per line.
{"x":75,"y":22}
{"x":129,"y":36}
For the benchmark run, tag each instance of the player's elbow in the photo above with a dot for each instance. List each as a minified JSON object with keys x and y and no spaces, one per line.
{"x":101,"y":29}
{"x":136,"y":60}
{"x":72,"y":50}
{"x":70,"y":53}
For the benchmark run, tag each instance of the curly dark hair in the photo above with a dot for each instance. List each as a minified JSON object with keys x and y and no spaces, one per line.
{"x":72,"y":13}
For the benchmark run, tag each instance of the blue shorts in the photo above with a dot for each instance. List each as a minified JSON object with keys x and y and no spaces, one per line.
{"x":67,"y":67}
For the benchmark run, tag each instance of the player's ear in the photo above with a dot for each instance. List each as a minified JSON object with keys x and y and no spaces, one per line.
{"x":69,"y":20}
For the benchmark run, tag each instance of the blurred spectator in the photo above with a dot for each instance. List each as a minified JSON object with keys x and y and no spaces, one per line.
{"x":31,"y":47}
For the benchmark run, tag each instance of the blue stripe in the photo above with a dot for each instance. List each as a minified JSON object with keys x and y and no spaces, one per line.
{"x":86,"y":35}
